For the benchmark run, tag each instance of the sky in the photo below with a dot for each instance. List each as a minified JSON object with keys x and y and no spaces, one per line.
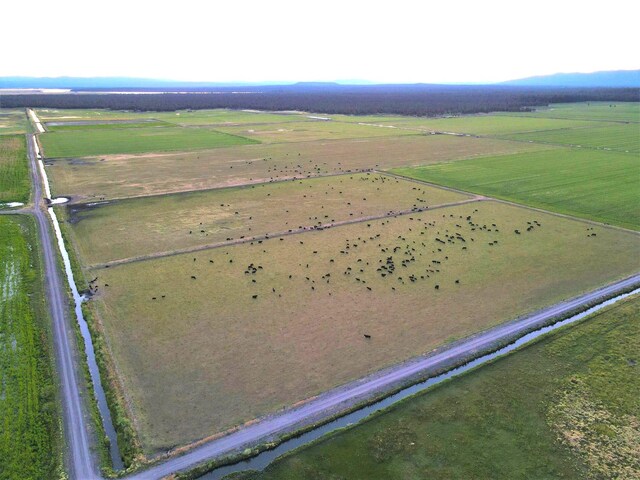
{"x":445,"y":41}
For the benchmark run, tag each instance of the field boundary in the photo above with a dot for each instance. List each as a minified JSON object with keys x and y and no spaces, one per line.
{"x":293,"y":231}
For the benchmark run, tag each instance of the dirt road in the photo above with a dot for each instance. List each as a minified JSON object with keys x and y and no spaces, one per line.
{"x":81,"y":463}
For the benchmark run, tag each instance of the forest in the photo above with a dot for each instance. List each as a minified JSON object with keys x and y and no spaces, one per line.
{"x":415,"y":100}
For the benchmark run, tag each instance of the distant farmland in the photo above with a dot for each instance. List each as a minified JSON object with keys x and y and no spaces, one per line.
{"x":14,"y":171}
{"x":602,"y":186}
{"x":598,"y":111}
{"x":13,"y":121}
{"x":488,"y":124}
{"x":302,"y":304}
{"x":117,"y":176}
{"x":201,"y":319}
{"x":78,"y":142}
{"x":622,"y":138}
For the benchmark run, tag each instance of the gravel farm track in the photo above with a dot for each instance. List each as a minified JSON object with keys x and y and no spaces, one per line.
{"x":81,"y":457}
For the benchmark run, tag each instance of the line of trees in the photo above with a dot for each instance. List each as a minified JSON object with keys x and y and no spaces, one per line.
{"x":418,"y":100}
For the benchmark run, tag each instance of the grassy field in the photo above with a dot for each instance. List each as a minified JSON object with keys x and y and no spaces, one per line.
{"x":84,"y":142}
{"x":29,"y":432}
{"x":308,"y":131}
{"x":100,"y":124}
{"x":602,"y":186}
{"x":181,"y":117}
{"x":201,"y":339}
{"x":142,"y":226}
{"x":485,"y":124}
{"x":117,"y":176}
{"x":13,"y":121}
{"x":15,"y":185}
{"x":565,"y":407}
{"x":620,"y":137}
{"x":598,"y":111}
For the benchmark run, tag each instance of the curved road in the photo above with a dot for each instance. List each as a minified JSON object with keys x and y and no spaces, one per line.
{"x":328,"y":403}
{"x":81,"y":461}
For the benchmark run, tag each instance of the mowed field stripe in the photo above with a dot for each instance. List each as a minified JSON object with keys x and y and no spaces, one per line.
{"x":293,"y":231}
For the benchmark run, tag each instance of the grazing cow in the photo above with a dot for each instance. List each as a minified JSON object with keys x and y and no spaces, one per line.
{"x":368,"y":337}
{"x":254,"y":296}
{"x":193,"y":277}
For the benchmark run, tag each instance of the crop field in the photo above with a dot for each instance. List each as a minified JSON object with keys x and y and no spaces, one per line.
{"x":317,"y":130}
{"x":486,"y":124}
{"x":598,"y":111}
{"x":118,"y":176}
{"x":620,"y":137}
{"x":29,"y":427}
{"x":201,"y":339}
{"x":13,"y":121}
{"x":142,"y":226}
{"x":565,"y":407}
{"x":14,"y":170}
{"x":598,"y":185}
{"x":98,"y":141}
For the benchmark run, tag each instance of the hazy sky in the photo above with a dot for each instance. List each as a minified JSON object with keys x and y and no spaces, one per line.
{"x":247,"y":40}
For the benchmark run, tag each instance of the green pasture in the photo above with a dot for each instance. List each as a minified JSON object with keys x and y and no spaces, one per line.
{"x":594,"y":111}
{"x":13,"y":121}
{"x":619,"y":137}
{"x":15,"y":185}
{"x":102,"y":141}
{"x":29,"y":426}
{"x":602,"y":186}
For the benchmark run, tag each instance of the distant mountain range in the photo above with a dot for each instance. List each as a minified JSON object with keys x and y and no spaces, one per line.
{"x":612,"y":78}
{"x":617,"y":79}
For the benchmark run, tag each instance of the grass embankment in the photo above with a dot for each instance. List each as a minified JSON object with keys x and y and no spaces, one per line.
{"x":14,"y":170}
{"x":318,"y":293}
{"x":30,"y":437}
{"x":143,"y":226}
{"x":565,"y":407}
{"x":601,"y":186}
{"x":82,"y":142}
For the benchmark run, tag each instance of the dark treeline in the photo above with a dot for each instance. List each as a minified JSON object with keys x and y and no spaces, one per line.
{"x":419,"y":100}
